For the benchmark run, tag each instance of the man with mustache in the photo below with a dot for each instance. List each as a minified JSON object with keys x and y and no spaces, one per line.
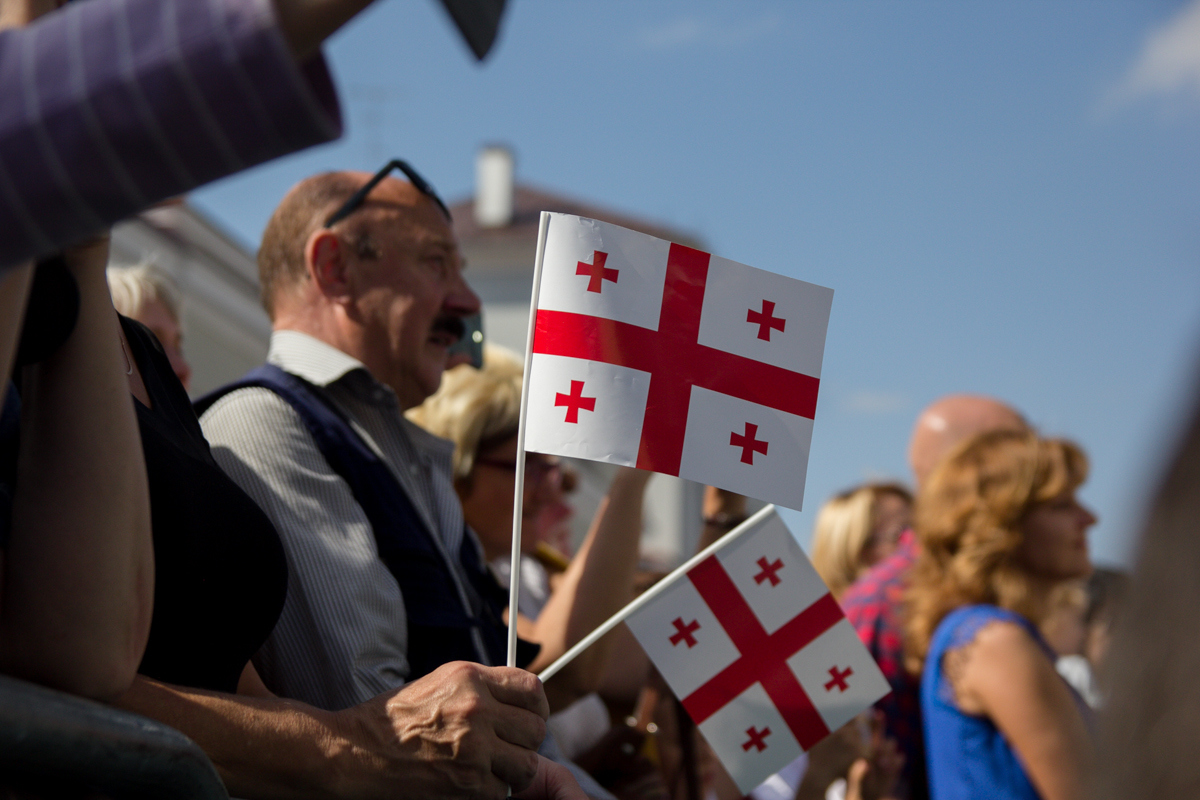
{"x":363,"y":281}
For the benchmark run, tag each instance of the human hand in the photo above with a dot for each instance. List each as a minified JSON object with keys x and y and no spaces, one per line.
{"x":464,"y":730}
{"x":876,"y":775}
{"x":552,"y":782}
{"x":721,"y":501}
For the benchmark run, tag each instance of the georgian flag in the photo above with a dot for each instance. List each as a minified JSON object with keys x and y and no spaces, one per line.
{"x":759,"y":653}
{"x":660,"y":356}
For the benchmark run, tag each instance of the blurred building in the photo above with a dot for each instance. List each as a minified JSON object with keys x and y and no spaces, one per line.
{"x":497,"y":232}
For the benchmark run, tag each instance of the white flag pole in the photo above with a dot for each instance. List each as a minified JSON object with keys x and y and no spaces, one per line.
{"x":514,"y":570}
{"x":653,"y":592}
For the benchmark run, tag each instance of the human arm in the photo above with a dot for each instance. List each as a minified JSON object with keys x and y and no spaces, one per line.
{"x":597,"y":584}
{"x":1004,"y":674}
{"x":723,"y":511}
{"x":14,"y":291}
{"x":78,"y":570}
{"x":462,"y":731}
{"x":169,"y":96}
{"x":307,"y":23}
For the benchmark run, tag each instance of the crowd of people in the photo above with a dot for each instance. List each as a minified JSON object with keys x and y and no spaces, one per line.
{"x":305,"y":571}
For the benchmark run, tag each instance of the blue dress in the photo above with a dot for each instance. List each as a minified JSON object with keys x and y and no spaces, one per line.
{"x":968,"y":756}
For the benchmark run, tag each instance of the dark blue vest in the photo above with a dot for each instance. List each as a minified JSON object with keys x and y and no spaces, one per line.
{"x":439,"y":627}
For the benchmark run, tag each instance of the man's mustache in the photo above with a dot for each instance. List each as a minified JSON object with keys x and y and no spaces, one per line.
{"x":451,"y":325}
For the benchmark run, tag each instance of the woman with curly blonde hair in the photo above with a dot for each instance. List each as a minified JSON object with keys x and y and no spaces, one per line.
{"x":1000,"y":528}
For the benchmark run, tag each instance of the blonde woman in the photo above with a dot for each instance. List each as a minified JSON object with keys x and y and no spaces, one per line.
{"x":856,"y":530}
{"x":479,"y":410}
{"x":1000,"y":529}
{"x":145,"y":293}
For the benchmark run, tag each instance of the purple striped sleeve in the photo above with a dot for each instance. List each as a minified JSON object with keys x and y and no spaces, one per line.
{"x":111,"y":105}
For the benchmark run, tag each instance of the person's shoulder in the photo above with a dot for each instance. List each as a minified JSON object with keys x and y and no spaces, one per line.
{"x":987,"y":628}
{"x":252,"y":416}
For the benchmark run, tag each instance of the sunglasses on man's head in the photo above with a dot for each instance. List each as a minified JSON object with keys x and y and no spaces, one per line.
{"x":359,"y":197}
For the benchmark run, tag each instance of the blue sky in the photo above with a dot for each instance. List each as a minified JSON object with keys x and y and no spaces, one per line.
{"x":1005,"y":197}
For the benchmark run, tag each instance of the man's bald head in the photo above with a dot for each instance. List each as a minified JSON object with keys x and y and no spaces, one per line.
{"x":954,"y":419}
{"x":303,"y":211}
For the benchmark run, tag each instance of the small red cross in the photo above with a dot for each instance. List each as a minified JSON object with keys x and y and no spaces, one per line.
{"x":839,"y":679}
{"x":748,"y":442}
{"x":684,"y":632}
{"x":575,"y":401}
{"x":769,"y":568}
{"x":756,"y":739}
{"x":765,"y":320}
{"x":597,"y":272}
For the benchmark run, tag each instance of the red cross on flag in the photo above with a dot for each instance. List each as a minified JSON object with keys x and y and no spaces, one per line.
{"x":753,"y":644}
{"x":660,"y":356}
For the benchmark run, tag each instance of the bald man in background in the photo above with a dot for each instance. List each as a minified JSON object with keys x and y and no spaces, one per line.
{"x":873,"y":604}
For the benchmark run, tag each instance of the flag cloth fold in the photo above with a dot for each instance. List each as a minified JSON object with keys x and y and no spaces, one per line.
{"x":759,"y":653}
{"x":656,"y":355}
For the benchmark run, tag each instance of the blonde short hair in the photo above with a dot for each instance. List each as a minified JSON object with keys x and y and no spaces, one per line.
{"x":843,"y":530}
{"x":133,"y":287}
{"x":475,"y":408}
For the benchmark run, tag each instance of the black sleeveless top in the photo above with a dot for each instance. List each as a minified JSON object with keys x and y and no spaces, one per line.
{"x":220,"y":572}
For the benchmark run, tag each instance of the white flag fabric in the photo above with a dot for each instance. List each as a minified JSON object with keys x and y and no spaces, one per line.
{"x":758,"y":652}
{"x":660,"y":356}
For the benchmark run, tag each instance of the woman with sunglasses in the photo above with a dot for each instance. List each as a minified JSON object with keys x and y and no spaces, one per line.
{"x":479,"y":410}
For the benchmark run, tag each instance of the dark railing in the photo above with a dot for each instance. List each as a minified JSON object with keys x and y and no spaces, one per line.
{"x":53,"y":744}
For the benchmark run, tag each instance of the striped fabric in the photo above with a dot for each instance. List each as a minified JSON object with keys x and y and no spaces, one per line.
{"x":109,"y":106}
{"x":341,"y":638}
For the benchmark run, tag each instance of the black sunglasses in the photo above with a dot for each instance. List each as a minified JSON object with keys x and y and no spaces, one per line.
{"x":360,"y":196}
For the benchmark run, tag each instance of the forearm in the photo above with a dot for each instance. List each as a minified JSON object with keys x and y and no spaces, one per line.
{"x":79,"y":568}
{"x":463,"y":731}
{"x":598,"y":583}
{"x":262,"y":747}
{"x":307,"y":23}
{"x":14,"y":291}
{"x":722,"y":511}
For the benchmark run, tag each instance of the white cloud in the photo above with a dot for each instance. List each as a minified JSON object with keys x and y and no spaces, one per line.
{"x":1169,"y":64}
{"x":875,"y":403}
{"x":693,"y":31}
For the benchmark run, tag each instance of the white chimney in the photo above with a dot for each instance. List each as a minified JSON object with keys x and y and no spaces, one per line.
{"x":494,"y":187}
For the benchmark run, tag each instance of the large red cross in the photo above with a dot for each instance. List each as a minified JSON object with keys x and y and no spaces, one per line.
{"x":575,"y":401}
{"x":596,"y":271}
{"x":683,"y":633}
{"x":675,"y":360}
{"x":762,"y":656}
{"x":765,"y":320}
{"x":749,"y":442}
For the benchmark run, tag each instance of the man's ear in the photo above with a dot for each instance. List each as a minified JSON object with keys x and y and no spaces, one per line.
{"x":326,"y":262}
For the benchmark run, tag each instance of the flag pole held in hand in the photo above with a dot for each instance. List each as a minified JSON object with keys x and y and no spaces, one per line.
{"x":514,"y":571}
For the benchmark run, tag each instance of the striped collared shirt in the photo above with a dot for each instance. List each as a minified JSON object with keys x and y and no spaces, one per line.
{"x":341,"y":638}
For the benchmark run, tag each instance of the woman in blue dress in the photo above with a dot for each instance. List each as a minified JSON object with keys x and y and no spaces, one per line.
{"x":1000,"y":527}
